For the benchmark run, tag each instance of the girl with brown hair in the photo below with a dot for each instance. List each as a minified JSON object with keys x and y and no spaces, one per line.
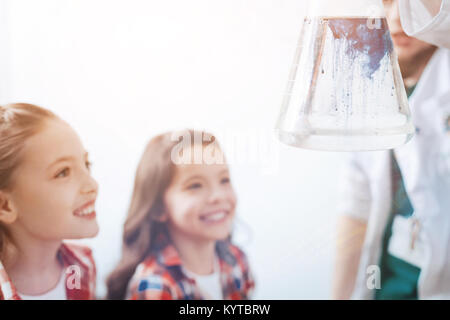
{"x":176,"y":241}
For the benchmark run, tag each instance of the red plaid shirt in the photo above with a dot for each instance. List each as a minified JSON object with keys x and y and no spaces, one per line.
{"x":79,"y":269}
{"x":161,"y":276}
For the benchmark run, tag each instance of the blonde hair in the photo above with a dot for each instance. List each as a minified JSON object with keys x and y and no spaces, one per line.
{"x":18,"y":122}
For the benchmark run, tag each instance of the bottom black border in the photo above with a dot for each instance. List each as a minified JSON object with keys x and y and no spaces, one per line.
{"x":256,"y":309}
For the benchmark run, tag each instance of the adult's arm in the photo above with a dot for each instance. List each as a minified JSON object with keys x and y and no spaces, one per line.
{"x":351,"y":234}
{"x":354,"y":210}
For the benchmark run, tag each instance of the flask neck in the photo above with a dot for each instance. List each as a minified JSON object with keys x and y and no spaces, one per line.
{"x":346,"y":8}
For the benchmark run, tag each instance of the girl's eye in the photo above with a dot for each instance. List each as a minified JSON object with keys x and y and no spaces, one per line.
{"x":88,"y":165}
{"x":63,"y":173}
{"x":194,"y":186}
{"x":225,"y":180}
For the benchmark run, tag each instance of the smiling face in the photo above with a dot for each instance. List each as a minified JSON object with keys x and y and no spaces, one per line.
{"x":52,"y":190}
{"x":200,"y":202}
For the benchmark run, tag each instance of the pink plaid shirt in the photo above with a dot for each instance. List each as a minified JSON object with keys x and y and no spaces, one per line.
{"x":79,"y":269}
{"x":161,"y":276}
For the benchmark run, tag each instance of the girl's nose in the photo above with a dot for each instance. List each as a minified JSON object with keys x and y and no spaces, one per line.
{"x":90,"y":185}
{"x":216,"y":194}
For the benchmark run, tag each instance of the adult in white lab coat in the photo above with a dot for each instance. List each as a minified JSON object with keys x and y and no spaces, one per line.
{"x":428,"y":20}
{"x":408,"y":255}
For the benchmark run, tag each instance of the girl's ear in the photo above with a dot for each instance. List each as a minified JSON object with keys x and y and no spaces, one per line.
{"x":8,"y":214}
{"x":161,"y":212}
{"x":163,"y":217}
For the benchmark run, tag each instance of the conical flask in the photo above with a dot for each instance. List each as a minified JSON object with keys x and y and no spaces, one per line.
{"x":345,"y":90}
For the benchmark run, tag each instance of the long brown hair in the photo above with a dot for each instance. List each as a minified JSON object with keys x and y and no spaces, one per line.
{"x":18,"y":122}
{"x":153,"y":177}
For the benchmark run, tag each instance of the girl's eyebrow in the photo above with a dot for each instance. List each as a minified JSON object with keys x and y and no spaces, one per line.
{"x":66,"y":158}
{"x":224,"y":171}
{"x":194,"y":177}
{"x":62,"y":159}
{"x":200,"y":177}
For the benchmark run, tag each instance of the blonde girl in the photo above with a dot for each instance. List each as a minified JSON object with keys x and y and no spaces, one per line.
{"x":47,"y":195}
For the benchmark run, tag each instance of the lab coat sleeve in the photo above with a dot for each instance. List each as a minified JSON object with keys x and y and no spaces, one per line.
{"x":418,"y":22}
{"x":354,"y":189}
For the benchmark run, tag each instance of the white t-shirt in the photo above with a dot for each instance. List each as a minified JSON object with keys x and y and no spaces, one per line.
{"x":57,"y":293}
{"x":209,"y":285}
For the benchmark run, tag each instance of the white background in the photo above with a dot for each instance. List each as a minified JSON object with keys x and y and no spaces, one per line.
{"x":122,"y":71}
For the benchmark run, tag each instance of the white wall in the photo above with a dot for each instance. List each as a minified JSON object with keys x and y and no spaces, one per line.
{"x":122,"y":71}
{"x":4,"y":51}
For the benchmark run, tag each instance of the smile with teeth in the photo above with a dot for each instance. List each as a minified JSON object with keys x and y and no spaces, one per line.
{"x":86,"y":211}
{"x":217,"y":216}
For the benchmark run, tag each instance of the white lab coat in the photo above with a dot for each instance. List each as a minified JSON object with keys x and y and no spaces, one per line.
{"x":418,"y":22}
{"x":425,"y":166}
